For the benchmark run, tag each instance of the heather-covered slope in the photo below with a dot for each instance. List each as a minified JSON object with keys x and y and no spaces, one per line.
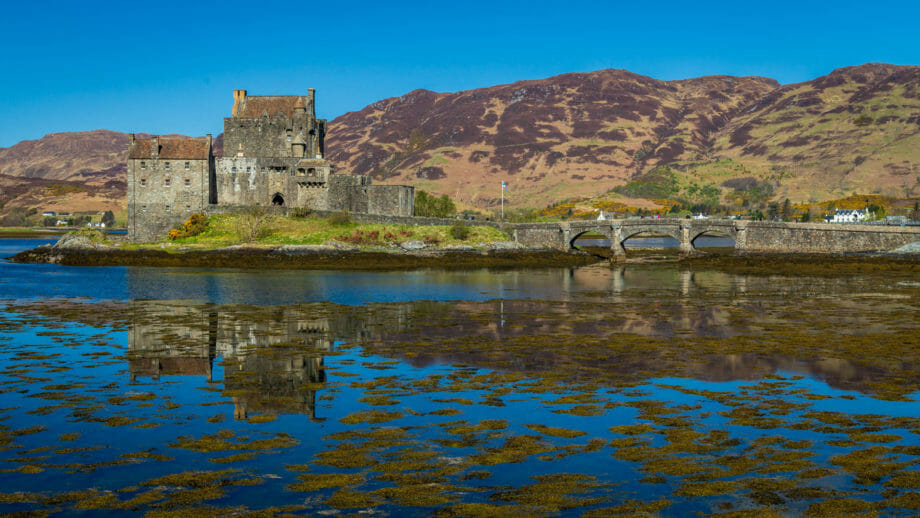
{"x":856,"y":129}
{"x":81,"y":171}
{"x":584,"y":134}
{"x":573,"y":134}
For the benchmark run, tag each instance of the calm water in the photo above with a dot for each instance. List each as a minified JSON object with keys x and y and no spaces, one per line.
{"x":595,"y":391}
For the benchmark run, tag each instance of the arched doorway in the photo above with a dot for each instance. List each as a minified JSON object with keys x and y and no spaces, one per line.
{"x":278,"y":200}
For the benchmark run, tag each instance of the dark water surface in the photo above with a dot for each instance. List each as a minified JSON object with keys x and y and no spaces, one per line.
{"x":638,"y":390}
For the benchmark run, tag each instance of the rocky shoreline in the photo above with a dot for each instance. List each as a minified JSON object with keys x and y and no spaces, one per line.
{"x":331,"y":255}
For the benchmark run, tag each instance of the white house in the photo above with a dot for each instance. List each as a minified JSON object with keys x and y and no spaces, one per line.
{"x":847,"y":216}
{"x":48,"y":213}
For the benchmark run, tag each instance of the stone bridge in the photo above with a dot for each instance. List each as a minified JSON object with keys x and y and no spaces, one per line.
{"x":749,"y":236}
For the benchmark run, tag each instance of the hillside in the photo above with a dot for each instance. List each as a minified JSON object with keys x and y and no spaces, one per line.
{"x":582,"y":135}
{"x":610,"y":134}
{"x":72,"y":172}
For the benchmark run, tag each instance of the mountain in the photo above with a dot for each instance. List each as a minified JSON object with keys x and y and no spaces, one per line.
{"x":82,"y":171}
{"x":615,"y":134}
{"x":584,"y":135}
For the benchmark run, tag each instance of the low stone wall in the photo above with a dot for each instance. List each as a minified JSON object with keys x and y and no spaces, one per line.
{"x":825,"y":238}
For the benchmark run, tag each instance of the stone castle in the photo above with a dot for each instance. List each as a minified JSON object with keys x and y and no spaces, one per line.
{"x":272,"y":156}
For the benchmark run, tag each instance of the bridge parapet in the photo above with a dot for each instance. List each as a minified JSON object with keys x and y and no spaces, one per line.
{"x":754,"y":236}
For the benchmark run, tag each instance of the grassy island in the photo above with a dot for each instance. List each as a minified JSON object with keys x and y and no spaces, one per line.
{"x":260,"y":230}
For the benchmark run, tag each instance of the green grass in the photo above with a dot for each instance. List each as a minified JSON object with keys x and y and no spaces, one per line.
{"x":225,"y":230}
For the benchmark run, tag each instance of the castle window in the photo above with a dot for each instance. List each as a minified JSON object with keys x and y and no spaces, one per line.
{"x":248,"y":169}
{"x":233,"y":169}
{"x":143,"y":165}
{"x":263,"y":169}
{"x":311,"y":171}
{"x":167,"y":208}
{"x":188,"y":182}
{"x":143,"y":182}
{"x":165,"y":165}
{"x":143,"y":207}
{"x":166,"y":182}
{"x":188,"y":165}
{"x":188,"y":207}
{"x":300,"y":171}
{"x":289,"y":138}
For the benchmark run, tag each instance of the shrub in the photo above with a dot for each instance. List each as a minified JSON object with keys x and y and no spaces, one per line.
{"x":194,"y":225}
{"x":252,"y":225}
{"x":340,"y":218}
{"x":301,"y":212}
{"x":459,"y":231}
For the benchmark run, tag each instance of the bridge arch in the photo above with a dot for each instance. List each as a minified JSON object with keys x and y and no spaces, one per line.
{"x":714,"y":231}
{"x":672,"y":231}
{"x":597,"y":238}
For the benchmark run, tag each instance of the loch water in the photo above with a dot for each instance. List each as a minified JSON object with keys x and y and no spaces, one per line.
{"x":641,"y":389}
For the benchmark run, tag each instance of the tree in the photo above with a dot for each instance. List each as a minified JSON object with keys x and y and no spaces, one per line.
{"x":428,"y":206}
{"x":772,"y":210}
{"x":108,"y":219}
{"x":787,"y":210}
{"x":806,"y":216}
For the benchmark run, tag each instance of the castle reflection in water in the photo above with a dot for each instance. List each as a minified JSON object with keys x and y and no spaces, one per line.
{"x":272,"y":363}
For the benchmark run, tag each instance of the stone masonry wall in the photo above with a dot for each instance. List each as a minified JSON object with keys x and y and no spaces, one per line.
{"x":391,"y":199}
{"x":825,"y":238}
{"x":267,"y":137}
{"x":163,"y":193}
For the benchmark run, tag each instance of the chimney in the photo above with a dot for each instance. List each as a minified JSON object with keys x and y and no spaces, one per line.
{"x":131,"y":136}
{"x":311,"y":93}
{"x":156,"y":146}
{"x":238,"y":97}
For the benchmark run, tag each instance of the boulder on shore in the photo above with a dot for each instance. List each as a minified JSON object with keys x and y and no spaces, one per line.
{"x":79,"y":241}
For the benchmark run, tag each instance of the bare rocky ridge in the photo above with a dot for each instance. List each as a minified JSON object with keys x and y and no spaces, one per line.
{"x":855,"y":130}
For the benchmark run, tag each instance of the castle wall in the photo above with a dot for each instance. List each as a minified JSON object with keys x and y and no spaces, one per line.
{"x":256,"y":181}
{"x":396,"y":200}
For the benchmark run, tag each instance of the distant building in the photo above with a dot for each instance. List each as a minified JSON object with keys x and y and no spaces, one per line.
{"x":49,"y":213}
{"x":847,"y":216}
{"x":273,"y":156}
{"x":95,"y":224}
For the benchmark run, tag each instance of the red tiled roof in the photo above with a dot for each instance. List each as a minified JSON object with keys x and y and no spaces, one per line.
{"x":176,"y":148}
{"x":253,"y":107}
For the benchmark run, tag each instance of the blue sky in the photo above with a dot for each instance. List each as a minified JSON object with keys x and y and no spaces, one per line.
{"x":165,"y":67}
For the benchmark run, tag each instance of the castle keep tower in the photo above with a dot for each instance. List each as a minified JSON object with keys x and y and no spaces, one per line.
{"x":273,"y":152}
